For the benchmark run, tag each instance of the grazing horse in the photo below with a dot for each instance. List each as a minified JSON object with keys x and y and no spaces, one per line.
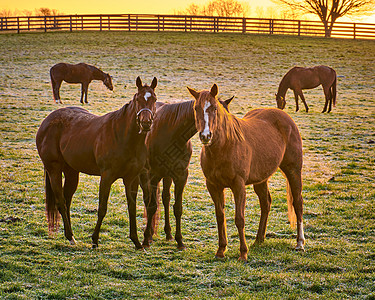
{"x":298,"y":79}
{"x":169,"y":153}
{"x":72,"y":140}
{"x":79,"y":73}
{"x":238,"y":152}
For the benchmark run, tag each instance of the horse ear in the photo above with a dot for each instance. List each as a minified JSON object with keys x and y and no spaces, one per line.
{"x":139,"y":83}
{"x":154,"y":83}
{"x":194,"y":93}
{"x":214,"y":90}
{"x":228,"y":101}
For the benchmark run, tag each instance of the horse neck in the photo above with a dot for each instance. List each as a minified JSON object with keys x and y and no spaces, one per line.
{"x":227,"y":131}
{"x":97,"y":74}
{"x":125,"y":123}
{"x":180,"y":121}
{"x":283,"y":86}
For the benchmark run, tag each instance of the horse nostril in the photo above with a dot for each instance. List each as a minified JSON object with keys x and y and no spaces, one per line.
{"x":205,"y":139}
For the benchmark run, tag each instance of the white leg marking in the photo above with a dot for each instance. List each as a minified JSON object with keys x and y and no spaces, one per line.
{"x":147,"y":95}
{"x":72,"y":241}
{"x":300,"y":237}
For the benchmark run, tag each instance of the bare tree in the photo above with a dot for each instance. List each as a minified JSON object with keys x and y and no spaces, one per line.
{"x":222,"y":8}
{"x":329,"y":11}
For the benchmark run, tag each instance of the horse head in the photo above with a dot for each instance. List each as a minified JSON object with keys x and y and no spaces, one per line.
{"x":108,"y":81}
{"x":280,"y":100}
{"x":145,"y":101}
{"x":206,"y":106}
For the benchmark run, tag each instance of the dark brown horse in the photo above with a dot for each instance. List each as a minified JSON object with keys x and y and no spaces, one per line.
{"x":238,"y":152}
{"x":71,"y":140}
{"x":79,"y":73}
{"x":298,"y":79}
{"x":169,"y":153}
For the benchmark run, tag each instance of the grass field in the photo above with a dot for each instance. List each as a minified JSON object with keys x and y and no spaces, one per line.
{"x":339,"y":171}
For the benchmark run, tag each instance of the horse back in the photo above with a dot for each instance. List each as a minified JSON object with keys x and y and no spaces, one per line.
{"x":70,"y":73}
{"x":273,"y":139}
{"x":68,"y":136}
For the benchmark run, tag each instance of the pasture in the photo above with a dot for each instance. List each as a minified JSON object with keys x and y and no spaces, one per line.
{"x":338,"y":172}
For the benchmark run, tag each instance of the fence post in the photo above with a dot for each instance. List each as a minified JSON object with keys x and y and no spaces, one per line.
{"x":354,"y":30}
{"x":271,"y":26}
{"x":244,"y":25}
{"x":18,"y":25}
{"x":45,"y":23}
{"x":109,"y":23}
{"x":100,"y":22}
{"x":299,"y":27}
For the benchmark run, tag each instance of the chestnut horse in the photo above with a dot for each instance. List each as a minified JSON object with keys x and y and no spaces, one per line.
{"x":169,"y":153}
{"x":79,"y":73}
{"x":298,"y":79}
{"x":71,"y":140}
{"x":238,"y":152}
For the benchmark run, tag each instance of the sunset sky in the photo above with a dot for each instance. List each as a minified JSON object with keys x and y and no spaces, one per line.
{"x":126,"y":6}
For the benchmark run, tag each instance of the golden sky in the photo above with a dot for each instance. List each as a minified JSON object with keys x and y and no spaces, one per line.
{"x":110,"y":6}
{"x":127,"y":6}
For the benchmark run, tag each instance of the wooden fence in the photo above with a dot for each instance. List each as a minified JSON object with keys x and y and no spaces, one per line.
{"x":134,"y":22}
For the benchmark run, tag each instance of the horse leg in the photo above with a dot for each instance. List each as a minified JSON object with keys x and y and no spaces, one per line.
{"x":295,"y":182}
{"x":239,"y":192}
{"x":179,"y":186}
{"x":303,"y":100}
{"x":217,"y":195}
{"x":84,"y":89}
{"x":56,"y":90}
{"x":55,"y":175}
{"x":265,"y":200}
{"x":166,"y":196}
{"x":70,"y":186}
{"x":328,"y":98}
{"x":151,"y":209}
{"x":104,"y":190}
{"x":296,"y":99}
{"x":131,"y":188}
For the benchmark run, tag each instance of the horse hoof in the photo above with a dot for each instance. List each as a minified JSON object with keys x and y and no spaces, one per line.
{"x":94,"y":246}
{"x":218,"y":257}
{"x":243,"y":258}
{"x":300,"y":248}
{"x":181,"y":247}
{"x":73,"y":241}
{"x":146,"y":246}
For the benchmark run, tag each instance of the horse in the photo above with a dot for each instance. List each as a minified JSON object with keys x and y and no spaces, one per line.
{"x":298,"y":79}
{"x":169,"y":154}
{"x":238,"y":152}
{"x":79,"y":73}
{"x":71,"y":140}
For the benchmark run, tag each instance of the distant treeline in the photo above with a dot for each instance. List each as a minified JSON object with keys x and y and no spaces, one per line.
{"x":43,"y":11}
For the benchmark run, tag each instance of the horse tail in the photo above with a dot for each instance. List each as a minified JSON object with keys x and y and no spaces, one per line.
{"x":291,"y":213}
{"x":334,"y":92}
{"x":53,"y":83}
{"x":53,"y":216}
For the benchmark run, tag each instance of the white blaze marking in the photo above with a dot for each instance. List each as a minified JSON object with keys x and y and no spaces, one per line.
{"x":206,"y":130}
{"x":147,"y":95}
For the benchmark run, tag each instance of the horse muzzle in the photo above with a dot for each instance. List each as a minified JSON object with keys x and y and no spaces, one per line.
{"x":205,"y":138}
{"x":145,"y":123}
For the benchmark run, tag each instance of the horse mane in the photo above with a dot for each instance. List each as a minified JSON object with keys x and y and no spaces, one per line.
{"x":172,"y":114}
{"x":230,"y":124}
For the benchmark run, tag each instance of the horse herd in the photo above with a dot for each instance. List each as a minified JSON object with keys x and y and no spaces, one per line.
{"x":147,"y":141}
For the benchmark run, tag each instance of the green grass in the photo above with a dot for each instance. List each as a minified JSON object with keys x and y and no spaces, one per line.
{"x":339,"y":168}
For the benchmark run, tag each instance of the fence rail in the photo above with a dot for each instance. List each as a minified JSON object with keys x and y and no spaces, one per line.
{"x":135,"y":22}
